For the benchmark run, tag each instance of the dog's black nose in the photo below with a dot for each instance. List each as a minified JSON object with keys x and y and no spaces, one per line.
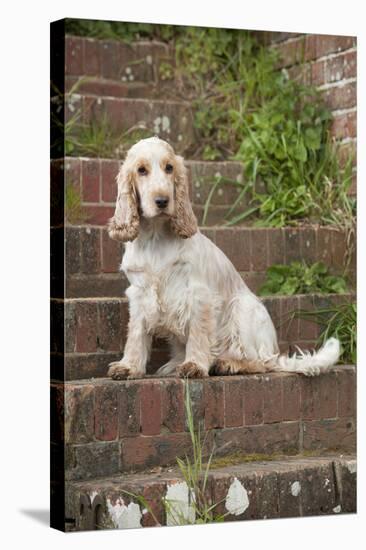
{"x":161,"y":202}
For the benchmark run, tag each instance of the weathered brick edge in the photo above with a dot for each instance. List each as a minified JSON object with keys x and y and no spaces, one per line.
{"x":95,"y":331}
{"x":116,"y":60}
{"x":110,"y":427}
{"x":93,"y":259}
{"x":277,"y":489}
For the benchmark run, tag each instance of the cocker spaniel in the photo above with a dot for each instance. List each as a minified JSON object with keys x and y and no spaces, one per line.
{"x":183,"y":287}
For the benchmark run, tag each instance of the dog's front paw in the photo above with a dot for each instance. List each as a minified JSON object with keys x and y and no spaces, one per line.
{"x":191,"y":370}
{"x":118,"y":371}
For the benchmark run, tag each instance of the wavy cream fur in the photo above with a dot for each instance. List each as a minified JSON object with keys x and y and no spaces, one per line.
{"x":184,"y":288}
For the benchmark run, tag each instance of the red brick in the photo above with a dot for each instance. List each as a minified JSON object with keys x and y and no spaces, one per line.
{"x":236,"y":245}
{"x":73,"y":173}
{"x":253,"y":400}
{"x":344,"y":126}
{"x":309,"y":329}
{"x":328,"y":395}
{"x":90,"y":249}
{"x":308,"y":244}
{"x":273,"y":306}
{"x":272,"y":399}
{"x":98,"y":215}
{"x":289,"y":330}
{"x":259,"y":251}
{"x":106,"y":412}
{"x":112,"y":252}
{"x":129,"y":414}
{"x":292,"y":52}
{"x":318,"y":73}
{"x":109,"y":171}
{"x":151,"y":407}
{"x":281,"y":437}
{"x":324,"y":246}
{"x":86,"y":328}
{"x":149,"y":451}
{"x":326,"y":44}
{"x":340,"y":67}
{"x":339,"y":249}
{"x":254,"y":280}
{"x":341,"y":97}
{"x":110,"y":59}
{"x":291,"y":397}
{"x":234,"y":393}
{"x":74,"y":55}
{"x":173,"y":413}
{"x":79,"y":414}
{"x":350,"y":65}
{"x":276,"y":246}
{"x":90,"y":178}
{"x":213,"y":392}
{"x":331,"y":434}
{"x":319,"y":397}
{"x":111,"y":326}
{"x":292,"y":244}
{"x":346,"y":382}
{"x":92,"y":65}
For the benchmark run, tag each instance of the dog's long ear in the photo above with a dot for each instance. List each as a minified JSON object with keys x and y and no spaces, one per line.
{"x":124,"y":226}
{"x":184,"y":222}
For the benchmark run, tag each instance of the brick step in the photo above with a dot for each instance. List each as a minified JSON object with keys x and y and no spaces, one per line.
{"x":144,"y":62}
{"x":93,"y":259}
{"x":95,"y":331}
{"x":94,"y":181}
{"x":171,"y":120}
{"x":105,"y":87}
{"x":284,"y":487}
{"x":111,"y":427}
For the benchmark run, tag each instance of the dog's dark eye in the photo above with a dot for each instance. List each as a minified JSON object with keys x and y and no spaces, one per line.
{"x":168,"y":168}
{"x":142,"y":170}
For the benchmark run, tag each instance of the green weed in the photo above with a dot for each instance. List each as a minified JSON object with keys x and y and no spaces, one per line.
{"x":301,"y":278}
{"x":341,"y":322}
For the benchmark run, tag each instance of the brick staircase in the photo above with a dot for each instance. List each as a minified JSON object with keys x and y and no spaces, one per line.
{"x":111,"y":436}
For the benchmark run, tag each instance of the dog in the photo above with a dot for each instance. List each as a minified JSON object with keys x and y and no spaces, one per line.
{"x":183,"y":287}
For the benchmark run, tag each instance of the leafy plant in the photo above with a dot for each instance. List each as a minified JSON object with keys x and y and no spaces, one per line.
{"x":118,"y":30}
{"x":98,"y":139}
{"x":300,"y":278}
{"x":341,"y":322}
{"x":247,"y":109}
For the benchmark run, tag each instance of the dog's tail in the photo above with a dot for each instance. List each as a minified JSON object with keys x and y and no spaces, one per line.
{"x":310,"y":364}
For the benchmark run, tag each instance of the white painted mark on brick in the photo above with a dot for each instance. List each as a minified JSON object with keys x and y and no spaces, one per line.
{"x":124,"y":517}
{"x":337,"y":509}
{"x":237,"y":500}
{"x":179,"y":501}
{"x":92,"y":496}
{"x":295,"y":488}
{"x":165,"y":124}
{"x":157,"y":123}
{"x":352,"y":466}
